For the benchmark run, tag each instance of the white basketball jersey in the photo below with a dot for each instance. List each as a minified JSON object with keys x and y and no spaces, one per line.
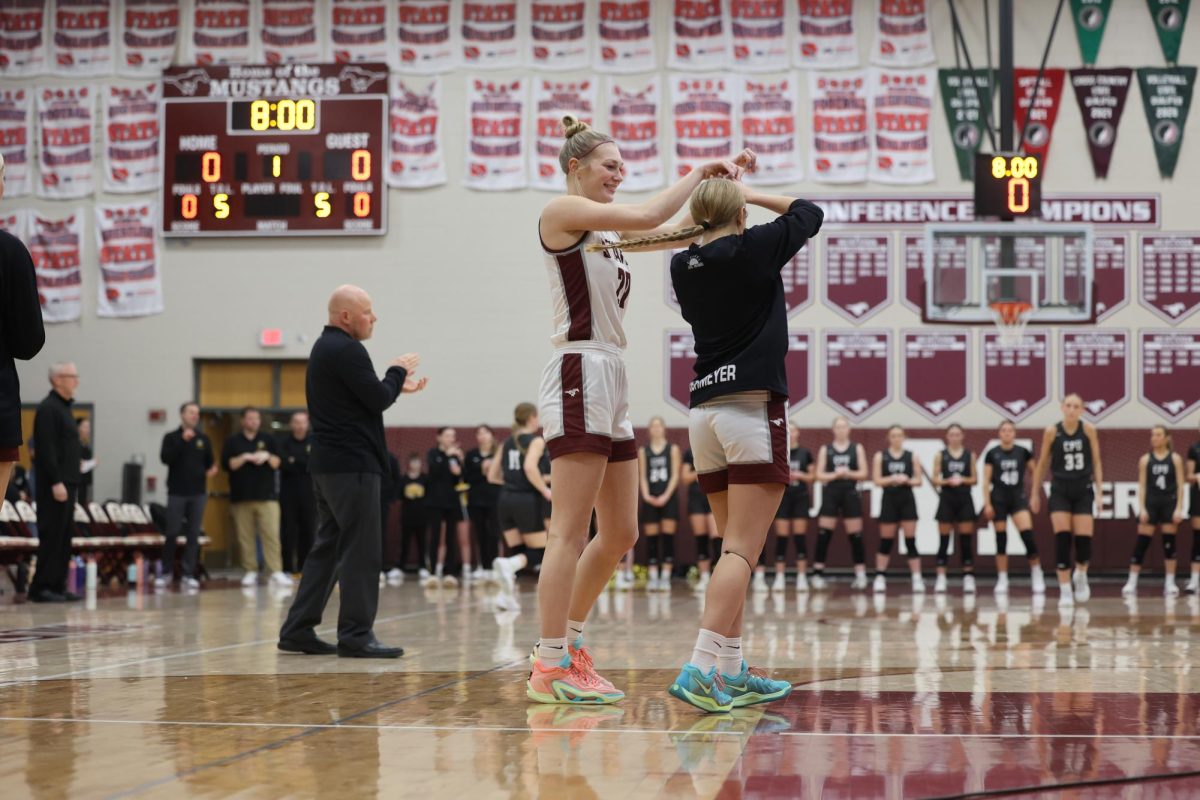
{"x":589,"y":290}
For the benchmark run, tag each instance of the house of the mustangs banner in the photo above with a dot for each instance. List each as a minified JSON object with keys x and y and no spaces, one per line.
{"x":826,"y":38}
{"x":289,"y":31}
{"x":633,"y":124}
{"x":82,"y":42}
{"x":24,"y":29}
{"x":768,"y":123}
{"x":56,"y":248}
{"x":624,"y":39}
{"x":495,"y":138}
{"x":702,"y":113}
{"x":1091,"y":16}
{"x":65,"y":124}
{"x":16,"y":140}
{"x":219,"y":33}
{"x":1166,"y":97}
{"x":902,"y":34}
{"x":148,"y":34}
{"x":429,"y":39}
{"x":131,"y":138}
{"x":551,"y":100}
{"x":358,"y":31}
{"x":491,"y":35}
{"x":1101,"y":96}
{"x":966,"y":94}
{"x":130,"y":284}
{"x":841,"y":142}
{"x":759,"y":34}
{"x":902,"y":106}
{"x":415,"y":158}
{"x":1042,"y":111}
{"x":699,"y":35}
{"x":1169,"y":18}
{"x":558,"y":37}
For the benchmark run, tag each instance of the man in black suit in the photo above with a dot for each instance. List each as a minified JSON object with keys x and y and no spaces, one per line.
{"x":346,"y":401}
{"x":56,"y":462}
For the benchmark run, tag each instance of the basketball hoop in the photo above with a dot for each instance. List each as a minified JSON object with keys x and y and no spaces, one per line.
{"x":1010,"y":318}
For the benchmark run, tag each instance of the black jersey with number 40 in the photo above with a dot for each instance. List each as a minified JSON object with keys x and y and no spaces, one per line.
{"x":1008,"y":468}
{"x":1160,"y":478}
{"x":1071,"y":454}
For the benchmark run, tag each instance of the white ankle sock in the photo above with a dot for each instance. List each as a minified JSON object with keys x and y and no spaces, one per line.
{"x":708,"y":649}
{"x":574,"y":630}
{"x":551,"y":651}
{"x":730,"y":660}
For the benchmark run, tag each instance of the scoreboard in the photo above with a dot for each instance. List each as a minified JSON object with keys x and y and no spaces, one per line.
{"x":274,"y":150}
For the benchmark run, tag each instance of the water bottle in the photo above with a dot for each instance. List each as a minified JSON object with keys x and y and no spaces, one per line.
{"x":92,"y":577}
{"x":131,"y":575}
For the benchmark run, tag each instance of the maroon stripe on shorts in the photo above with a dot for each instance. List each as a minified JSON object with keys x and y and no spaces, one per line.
{"x":714,"y":482}
{"x":9,"y":454}
{"x":573,"y":273}
{"x":778,"y":470}
{"x":571,"y":376}
{"x":624,"y":450}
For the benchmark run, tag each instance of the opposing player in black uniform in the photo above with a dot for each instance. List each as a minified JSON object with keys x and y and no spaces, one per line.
{"x":520,"y":502}
{"x":791,"y":520}
{"x":840,"y":466}
{"x":447,"y":515}
{"x":659,"y":462}
{"x":1160,"y":497}
{"x":1004,"y":472}
{"x":1071,"y":452}
{"x":953,"y":476}
{"x":897,"y":471}
{"x":702,"y":521}
{"x":1193,"y":481}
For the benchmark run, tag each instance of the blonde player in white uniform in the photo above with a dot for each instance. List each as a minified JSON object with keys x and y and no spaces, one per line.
{"x":583,"y":401}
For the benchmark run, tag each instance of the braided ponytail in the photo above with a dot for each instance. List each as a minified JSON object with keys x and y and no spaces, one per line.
{"x":714,"y":204}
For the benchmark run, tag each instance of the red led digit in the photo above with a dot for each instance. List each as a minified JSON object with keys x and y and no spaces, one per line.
{"x":189,"y":206}
{"x":362,"y":204}
{"x":210,"y":167}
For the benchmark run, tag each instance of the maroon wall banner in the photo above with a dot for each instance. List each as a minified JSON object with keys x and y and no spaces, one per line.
{"x":1042,"y":110}
{"x":858,"y":371}
{"x":1170,"y":373}
{"x":858,"y":274}
{"x":1101,"y":96}
{"x":1169,"y":275}
{"x":1095,"y":365}
{"x":951,"y":258}
{"x":680,"y":356}
{"x":1110,"y":272}
{"x":934,"y":370}
{"x":799,"y":362}
{"x":1016,"y":379}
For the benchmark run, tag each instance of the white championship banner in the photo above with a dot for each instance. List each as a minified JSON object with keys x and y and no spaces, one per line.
{"x":219,"y":32}
{"x":551,"y":100}
{"x":131,"y":136}
{"x":558,"y":35}
{"x":624,"y":37}
{"x":66,"y":120}
{"x":768,"y":125}
{"x":290,"y":31}
{"x":147,"y":36}
{"x":495,"y":135}
{"x":633,"y":122}
{"x":358,"y":31}
{"x":702,"y":116}
{"x":56,"y":248}
{"x":416,"y":158}
{"x":81,"y":39}
{"x":127,"y":245}
{"x":825,"y":35}
{"x":699,"y":37}
{"x":492,"y":34}
{"x":759,"y":36}
{"x":901,"y":108}
{"x":427,"y":31}
{"x":840,"y":142}
{"x":16,"y":140}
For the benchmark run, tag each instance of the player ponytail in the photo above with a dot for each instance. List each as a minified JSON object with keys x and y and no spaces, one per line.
{"x":521,"y":416}
{"x":1166,"y":435}
{"x":713,"y":204}
{"x":581,"y":140}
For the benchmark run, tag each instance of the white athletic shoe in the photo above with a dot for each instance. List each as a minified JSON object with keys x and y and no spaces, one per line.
{"x":701,"y":585}
{"x":1066,"y":596}
{"x":506,"y":573}
{"x":859,"y":584}
{"x":760,"y":583}
{"x":250,"y":579}
{"x":1130,"y":587}
{"x":395,"y":576}
{"x":1193,"y":586}
{"x":624,"y":581}
{"x":449,"y":581}
{"x":422,"y":574}
{"x":160,"y":583}
{"x":819,"y":583}
{"x":382,"y":579}
{"x":939,"y":585}
{"x":802,"y":583}
{"x":918,"y":584}
{"x":191,"y":583}
{"x":1002,"y":583}
{"x":968,"y":584}
{"x":1083,"y":592}
{"x":1170,"y":589}
{"x":879,"y":585}
{"x":1037,"y":581}
{"x":664,"y":583}
{"x":780,"y":583}
{"x":281,"y":579}
{"x":506,"y":601}
{"x":480,"y":574}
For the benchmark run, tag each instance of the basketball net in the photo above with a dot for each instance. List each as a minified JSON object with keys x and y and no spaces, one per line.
{"x":1010,"y":318}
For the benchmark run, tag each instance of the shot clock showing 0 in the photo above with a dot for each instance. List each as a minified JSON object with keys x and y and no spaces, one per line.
{"x":273,"y":150}
{"x":1007,"y":186}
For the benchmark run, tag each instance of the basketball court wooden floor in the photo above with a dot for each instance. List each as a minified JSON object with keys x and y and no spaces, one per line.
{"x":172,"y":695}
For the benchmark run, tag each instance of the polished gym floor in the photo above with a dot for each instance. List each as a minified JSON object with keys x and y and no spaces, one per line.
{"x":173,"y":695}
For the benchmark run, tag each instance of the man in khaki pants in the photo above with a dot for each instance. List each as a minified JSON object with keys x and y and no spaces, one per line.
{"x":251,"y":458}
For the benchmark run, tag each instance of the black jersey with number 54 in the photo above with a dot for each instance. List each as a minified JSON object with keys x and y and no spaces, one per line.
{"x":1008,"y":468}
{"x":1071,"y":454}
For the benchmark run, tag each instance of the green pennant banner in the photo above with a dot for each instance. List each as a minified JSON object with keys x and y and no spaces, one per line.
{"x":1167,"y":96}
{"x":1169,"y":17}
{"x":1090,"y":18}
{"x":964,"y":93}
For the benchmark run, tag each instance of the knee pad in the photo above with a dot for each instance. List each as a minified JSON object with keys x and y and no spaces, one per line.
{"x":856,"y":548}
{"x":1140,"y":548}
{"x":702,"y":547}
{"x":966,"y":544}
{"x":886,"y":545}
{"x":739,"y":555}
{"x":666,"y":548}
{"x":910,"y":544}
{"x":1083,"y":549}
{"x":1062,"y":549}
{"x":1001,"y":543}
{"x":1169,"y":546}
{"x":1030,"y":543}
{"x":823,"y":538}
{"x":943,"y":553}
{"x":801,"y":546}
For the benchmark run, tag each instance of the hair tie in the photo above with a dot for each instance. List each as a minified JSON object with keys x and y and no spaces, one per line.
{"x":705,"y":224}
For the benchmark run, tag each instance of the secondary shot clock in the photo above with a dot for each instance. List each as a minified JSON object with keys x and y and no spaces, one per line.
{"x":1007,"y":185}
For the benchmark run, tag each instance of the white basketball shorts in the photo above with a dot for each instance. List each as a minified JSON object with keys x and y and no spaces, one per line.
{"x":584,"y":403}
{"x":740,"y":438}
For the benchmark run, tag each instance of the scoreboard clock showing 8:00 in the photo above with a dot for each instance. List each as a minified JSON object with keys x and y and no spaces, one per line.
{"x":1008,"y":185}
{"x":274,"y":150}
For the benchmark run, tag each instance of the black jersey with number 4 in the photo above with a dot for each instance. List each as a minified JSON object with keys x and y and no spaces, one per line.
{"x":658,"y":469}
{"x":847,"y":458}
{"x":891,"y":465}
{"x":959,"y":465}
{"x":1008,"y":468}
{"x":1071,"y":454}
{"x":799,"y":460}
{"x":513,"y":462}
{"x":1160,"y":478}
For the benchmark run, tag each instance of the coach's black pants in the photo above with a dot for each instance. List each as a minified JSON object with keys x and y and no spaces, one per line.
{"x":180,"y":508}
{"x":55,"y":522}
{"x":298,"y":521}
{"x":347,"y":551}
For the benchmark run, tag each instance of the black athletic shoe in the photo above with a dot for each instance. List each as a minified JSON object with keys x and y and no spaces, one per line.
{"x":309,"y":647}
{"x":46,"y":596}
{"x":373,"y":649}
{"x":71,"y":597}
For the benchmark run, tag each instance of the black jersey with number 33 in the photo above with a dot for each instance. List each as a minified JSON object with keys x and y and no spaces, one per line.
{"x":1071,"y":454}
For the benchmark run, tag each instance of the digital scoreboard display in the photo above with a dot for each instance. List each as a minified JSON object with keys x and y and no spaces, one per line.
{"x":274,"y":150}
{"x":1008,"y":185}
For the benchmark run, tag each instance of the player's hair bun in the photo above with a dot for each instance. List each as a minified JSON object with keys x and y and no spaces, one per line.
{"x":572,"y":126}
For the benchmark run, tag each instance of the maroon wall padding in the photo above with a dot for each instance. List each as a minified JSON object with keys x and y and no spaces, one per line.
{"x":1113,"y":544}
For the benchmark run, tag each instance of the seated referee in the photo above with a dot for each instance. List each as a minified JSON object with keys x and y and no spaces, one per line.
{"x":346,"y":402}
